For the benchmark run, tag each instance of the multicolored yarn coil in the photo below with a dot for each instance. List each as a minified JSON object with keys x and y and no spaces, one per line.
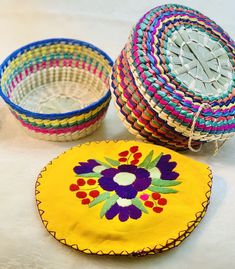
{"x":173,"y":82}
{"x":58,"y":89}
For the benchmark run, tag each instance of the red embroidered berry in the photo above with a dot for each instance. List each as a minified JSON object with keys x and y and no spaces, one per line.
{"x":86,"y":201}
{"x":149,"y":203}
{"x":81,"y":194}
{"x":124,"y":153}
{"x":134,"y":149}
{"x":122,"y":160}
{"x":91,"y":181}
{"x":156,"y":195}
{"x":157,"y":209}
{"x":137,"y":155}
{"x":134,"y":162}
{"x":162,"y":201}
{"x":74,"y":187}
{"x":94,"y":193}
{"x":81,"y":182}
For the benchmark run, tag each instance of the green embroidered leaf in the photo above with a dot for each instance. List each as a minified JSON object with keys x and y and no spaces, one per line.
{"x":102,"y":197}
{"x":147,"y":160}
{"x":162,"y":189}
{"x":112,"y":162}
{"x":102,"y":163}
{"x":155,"y":161}
{"x":89,"y":175}
{"x":136,"y":202}
{"x":108,"y":204}
{"x":165,"y":183}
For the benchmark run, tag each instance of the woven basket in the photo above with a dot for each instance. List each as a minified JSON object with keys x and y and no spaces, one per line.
{"x":58,"y":89}
{"x":173,"y":81}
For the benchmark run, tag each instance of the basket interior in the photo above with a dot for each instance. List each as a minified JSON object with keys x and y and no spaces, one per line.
{"x":56,"y":78}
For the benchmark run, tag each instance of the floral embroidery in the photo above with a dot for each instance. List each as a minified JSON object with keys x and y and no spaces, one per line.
{"x":127,"y":154}
{"x":85,"y":193}
{"x":126,"y":187}
{"x":126,"y":180}
{"x":124,"y":212}
{"x":154,"y":201}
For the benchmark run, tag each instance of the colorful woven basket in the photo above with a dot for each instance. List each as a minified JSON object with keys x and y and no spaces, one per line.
{"x":58,"y":89}
{"x":173,"y":81}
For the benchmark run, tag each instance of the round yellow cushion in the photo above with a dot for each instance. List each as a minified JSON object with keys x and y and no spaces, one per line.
{"x":122,"y":197}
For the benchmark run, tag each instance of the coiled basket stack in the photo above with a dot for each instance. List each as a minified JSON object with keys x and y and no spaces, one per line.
{"x":173,"y":82}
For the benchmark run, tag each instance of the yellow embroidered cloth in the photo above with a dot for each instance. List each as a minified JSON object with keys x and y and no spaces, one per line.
{"x":122,"y":197}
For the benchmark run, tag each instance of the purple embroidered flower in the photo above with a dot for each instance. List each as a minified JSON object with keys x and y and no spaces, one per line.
{"x":126,"y":190}
{"x":123,"y":212}
{"x":85,"y":167}
{"x":126,"y":180}
{"x":166,"y":168}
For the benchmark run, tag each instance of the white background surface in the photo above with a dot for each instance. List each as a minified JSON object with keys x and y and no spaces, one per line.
{"x":24,"y":243}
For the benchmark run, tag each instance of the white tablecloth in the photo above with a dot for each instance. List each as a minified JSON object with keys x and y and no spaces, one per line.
{"x":24,"y":242}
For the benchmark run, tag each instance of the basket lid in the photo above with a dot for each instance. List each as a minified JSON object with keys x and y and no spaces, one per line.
{"x":199,"y":61}
{"x":122,"y":197}
{"x":183,"y":63}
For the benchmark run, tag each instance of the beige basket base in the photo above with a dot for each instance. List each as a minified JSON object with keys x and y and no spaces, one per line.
{"x":62,"y":96}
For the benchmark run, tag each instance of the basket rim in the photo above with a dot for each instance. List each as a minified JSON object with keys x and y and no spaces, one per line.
{"x":42,"y":42}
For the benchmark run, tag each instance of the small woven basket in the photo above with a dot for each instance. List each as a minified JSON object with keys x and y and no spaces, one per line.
{"x":58,"y":89}
{"x":173,"y":81}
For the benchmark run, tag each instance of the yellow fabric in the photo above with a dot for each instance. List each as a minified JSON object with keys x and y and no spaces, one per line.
{"x":81,"y":225}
